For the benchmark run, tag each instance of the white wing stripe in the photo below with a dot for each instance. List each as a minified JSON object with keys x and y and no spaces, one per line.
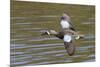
{"x":67,"y":38}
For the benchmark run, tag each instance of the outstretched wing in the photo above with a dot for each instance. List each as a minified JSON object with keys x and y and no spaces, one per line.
{"x":72,"y":27}
{"x":70,"y":48}
{"x":68,"y":44}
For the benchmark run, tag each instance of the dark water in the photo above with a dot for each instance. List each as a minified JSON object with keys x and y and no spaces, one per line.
{"x":28,"y":47}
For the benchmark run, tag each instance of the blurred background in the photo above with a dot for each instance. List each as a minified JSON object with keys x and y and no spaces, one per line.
{"x":27,"y":45}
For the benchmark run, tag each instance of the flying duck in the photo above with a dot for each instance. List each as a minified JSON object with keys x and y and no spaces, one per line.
{"x":67,"y":30}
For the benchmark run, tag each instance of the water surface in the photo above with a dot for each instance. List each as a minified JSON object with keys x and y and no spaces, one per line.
{"x":29,"y":19}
